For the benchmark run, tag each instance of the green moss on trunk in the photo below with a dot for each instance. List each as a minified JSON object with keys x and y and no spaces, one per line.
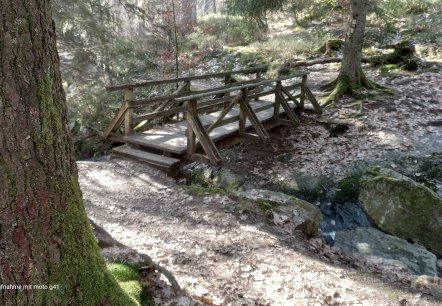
{"x":81,"y":272}
{"x":11,"y":182}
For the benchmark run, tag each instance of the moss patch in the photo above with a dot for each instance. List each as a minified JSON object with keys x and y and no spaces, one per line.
{"x":81,"y":272}
{"x":348,"y":189}
{"x":128,"y":278}
{"x":49,"y":112}
{"x":198,"y":190}
{"x":10,"y":179}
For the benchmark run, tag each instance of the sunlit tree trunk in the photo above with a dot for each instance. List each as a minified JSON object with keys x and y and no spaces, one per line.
{"x":351,"y":74}
{"x":351,"y":62}
{"x":48,"y":254}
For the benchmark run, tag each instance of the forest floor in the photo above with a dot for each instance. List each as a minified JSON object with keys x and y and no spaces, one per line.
{"x":222,"y":254}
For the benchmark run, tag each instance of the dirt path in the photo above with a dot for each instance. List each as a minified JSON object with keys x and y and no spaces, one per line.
{"x":217,"y":252}
{"x":223,"y":255}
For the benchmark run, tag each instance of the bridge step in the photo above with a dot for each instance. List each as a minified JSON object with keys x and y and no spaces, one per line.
{"x":161,"y":161}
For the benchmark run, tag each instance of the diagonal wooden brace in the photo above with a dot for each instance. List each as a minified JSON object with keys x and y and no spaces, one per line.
{"x":197,"y":127}
{"x":250,"y":114}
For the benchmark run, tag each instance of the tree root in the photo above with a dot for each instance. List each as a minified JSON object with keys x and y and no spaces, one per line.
{"x":173,"y":282}
{"x":342,"y":86}
{"x":105,"y":240}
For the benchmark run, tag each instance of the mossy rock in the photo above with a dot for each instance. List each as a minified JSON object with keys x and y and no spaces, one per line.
{"x":307,"y":187}
{"x":348,"y":188}
{"x":404,"y":48}
{"x":304,"y":216}
{"x":403,"y":57}
{"x":209,"y":177}
{"x":402,"y":207}
{"x":386,"y":251}
{"x":331,"y":45}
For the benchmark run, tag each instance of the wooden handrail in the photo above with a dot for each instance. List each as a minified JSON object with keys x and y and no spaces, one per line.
{"x":145,"y":101}
{"x":184,"y":78}
{"x":230,"y":89}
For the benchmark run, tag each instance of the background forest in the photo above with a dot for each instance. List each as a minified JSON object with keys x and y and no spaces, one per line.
{"x":104,"y":42}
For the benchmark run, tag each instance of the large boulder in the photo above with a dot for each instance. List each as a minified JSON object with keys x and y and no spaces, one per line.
{"x":401,"y":207}
{"x":287,"y":210}
{"x":386,"y":251}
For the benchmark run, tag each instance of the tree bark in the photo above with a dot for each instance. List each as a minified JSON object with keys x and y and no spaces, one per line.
{"x":48,"y":254}
{"x":351,"y":75}
{"x":351,"y":62}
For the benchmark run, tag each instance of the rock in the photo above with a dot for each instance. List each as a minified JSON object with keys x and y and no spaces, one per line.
{"x":337,"y":129}
{"x":303,"y":215}
{"x":387,"y":251}
{"x":227,"y":180}
{"x":301,"y":185}
{"x":401,"y":207}
{"x":210,"y":177}
{"x":330,"y":45}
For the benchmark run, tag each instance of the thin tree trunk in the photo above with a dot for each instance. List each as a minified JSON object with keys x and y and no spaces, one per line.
{"x":47,"y":249}
{"x":351,"y":62}
{"x":177,"y":66}
{"x":351,"y":75}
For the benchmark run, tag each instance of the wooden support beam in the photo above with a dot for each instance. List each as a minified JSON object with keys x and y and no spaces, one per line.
{"x":129,"y":95}
{"x":201,"y":134}
{"x":313,"y":100}
{"x":224,"y":112}
{"x":191,"y":141}
{"x":250,"y":114}
{"x":116,"y":121}
{"x":291,"y":97}
{"x":277,"y":104}
{"x":288,"y":110}
{"x":303,"y":85}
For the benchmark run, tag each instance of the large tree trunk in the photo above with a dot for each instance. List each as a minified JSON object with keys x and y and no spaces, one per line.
{"x":46,"y":240}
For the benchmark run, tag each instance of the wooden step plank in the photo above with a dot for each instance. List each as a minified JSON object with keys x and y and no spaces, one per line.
{"x":151,"y":158}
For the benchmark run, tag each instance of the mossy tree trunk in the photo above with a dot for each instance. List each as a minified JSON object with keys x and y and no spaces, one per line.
{"x":351,"y":74}
{"x":45,"y":236}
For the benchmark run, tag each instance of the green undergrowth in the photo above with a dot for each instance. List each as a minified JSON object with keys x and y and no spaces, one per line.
{"x":128,"y":279}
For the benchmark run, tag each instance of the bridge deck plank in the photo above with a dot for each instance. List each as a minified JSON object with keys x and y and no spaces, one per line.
{"x":172,"y":137}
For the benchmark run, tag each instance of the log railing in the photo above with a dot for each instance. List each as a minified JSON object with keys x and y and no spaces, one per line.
{"x":193,"y":103}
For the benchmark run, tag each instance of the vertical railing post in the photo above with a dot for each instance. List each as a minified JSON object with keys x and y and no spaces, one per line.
{"x":277,"y":105}
{"x":303,"y":85}
{"x":258,"y":76}
{"x":191,"y":137}
{"x":242,"y":115}
{"x":186,"y":89}
{"x":128,"y":97}
{"x":227,"y":79}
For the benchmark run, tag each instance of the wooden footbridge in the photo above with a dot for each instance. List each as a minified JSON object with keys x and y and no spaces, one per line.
{"x":192,"y":124}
